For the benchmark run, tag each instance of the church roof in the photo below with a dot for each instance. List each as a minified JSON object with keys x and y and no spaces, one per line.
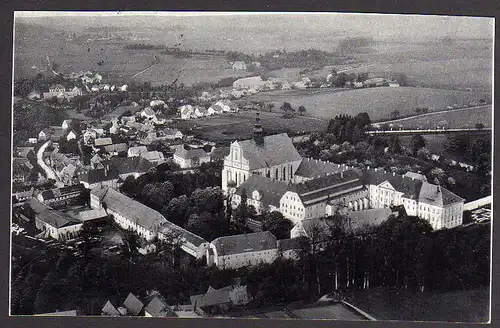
{"x":271,"y":191}
{"x":277,"y":149}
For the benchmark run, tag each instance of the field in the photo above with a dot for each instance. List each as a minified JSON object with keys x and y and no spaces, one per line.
{"x":230,"y":127}
{"x":463,"y":118}
{"x":378,"y":102}
{"x":392,"y":304}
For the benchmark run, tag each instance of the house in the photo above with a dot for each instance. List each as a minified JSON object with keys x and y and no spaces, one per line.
{"x":94,"y":88}
{"x":157,"y":307}
{"x":133,"y":305}
{"x":32,"y":140}
{"x":238,"y":251}
{"x":34,"y":95}
{"x":253,"y":82}
{"x":54,"y":224}
{"x":104,"y":175}
{"x":317,"y":230}
{"x":110,"y":310}
{"x":26,"y":152}
{"x":99,"y":142}
{"x":262,"y":193}
{"x":21,"y":170}
{"x":191,"y":244}
{"x":240,"y":65}
{"x":71,"y":136}
{"x":189,"y":158}
{"x":92,"y":215}
{"x":129,"y":166}
{"x":22,"y":196}
{"x":171,"y":134}
{"x":66,"y":124}
{"x":286,"y":86}
{"x":147,"y":137}
{"x":214,"y":300}
{"x":299,"y":85}
{"x":61,"y":196}
{"x":136,"y":151}
{"x":227,"y":106}
{"x":154,"y":157}
{"x":116,"y":149}
{"x":256,"y":64}
{"x":157,"y":103}
{"x":200,"y":111}
{"x":57,"y":133}
{"x":187,"y":111}
{"x":237,"y":94}
{"x":148,"y":113}
{"x":76,"y":91}
{"x":57,"y":88}
{"x":307,"y":81}
{"x":393,"y":84}
{"x":123,"y":88}
{"x":215,"y":109}
{"x":44,"y":134}
{"x":89,"y":135}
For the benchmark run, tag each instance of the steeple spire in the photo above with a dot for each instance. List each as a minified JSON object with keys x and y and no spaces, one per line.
{"x":257,"y":131}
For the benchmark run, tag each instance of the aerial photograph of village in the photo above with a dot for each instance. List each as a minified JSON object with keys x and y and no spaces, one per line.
{"x":252,"y":165}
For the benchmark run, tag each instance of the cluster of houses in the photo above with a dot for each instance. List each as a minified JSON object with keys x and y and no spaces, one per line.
{"x":218,"y":108}
{"x":212,"y":302}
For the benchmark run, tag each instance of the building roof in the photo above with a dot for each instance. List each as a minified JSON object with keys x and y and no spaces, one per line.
{"x":185,"y":235}
{"x":24,"y":151}
{"x":58,"y":192}
{"x":103,"y":141}
{"x":51,"y":217}
{"x":110,"y":309}
{"x":99,"y":175}
{"x":92,"y":214}
{"x":153,"y":155}
{"x":126,"y":165}
{"x":129,"y":208}
{"x":133,"y":304}
{"x":410,"y":187}
{"x":190,"y":153}
{"x":413,"y":175}
{"x":119,"y":148}
{"x":330,"y":185}
{"x":310,"y":168}
{"x":277,"y":149}
{"x":148,"y":112}
{"x":136,"y":151}
{"x":219,"y":153}
{"x":157,"y":307}
{"x":289,"y":244}
{"x":251,"y":242}
{"x":437,"y":195}
{"x":269,"y":190}
{"x":170,"y":131}
{"x":212,"y":297}
{"x":373,"y":217}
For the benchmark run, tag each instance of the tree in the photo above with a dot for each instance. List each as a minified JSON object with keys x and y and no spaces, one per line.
{"x":276,"y":223}
{"x":395,"y":114}
{"x":395,"y":145}
{"x":302,"y":109}
{"x":424,"y":153}
{"x":416,"y":142}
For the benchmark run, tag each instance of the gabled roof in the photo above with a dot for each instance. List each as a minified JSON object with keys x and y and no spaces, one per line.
{"x":190,"y":153}
{"x":133,"y":304}
{"x":136,"y":151}
{"x":157,"y":307}
{"x":148,"y":112}
{"x":277,"y":149}
{"x":270,"y":191}
{"x":289,"y":244}
{"x":51,"y":217}
{"x":126,"y":165}
{"x":251,"y":242}
{"x":92,"y":214}
{"x":408,"y":186}
{"x":437,"y":195}
{"x":58,"y":192}
{"x":129,"y":208}
{"x":153,"y":155}
{"x":311,"y":168}
{"x":103,"y":141}
{"x":110,"y":310}
{"x":185,"y":235}
{"x":24,"y":151}
{"x":119,"y":148}
{"x":212,"y":297}
{"x":170,"y":132}
{"x":99,"y":175}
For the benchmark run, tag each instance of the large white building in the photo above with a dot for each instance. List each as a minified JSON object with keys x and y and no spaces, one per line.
{"x":269,"y":170}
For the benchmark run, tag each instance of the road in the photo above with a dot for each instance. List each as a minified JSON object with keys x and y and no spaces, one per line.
{"x":426,"y":131}
{"x":49,"y":172}
{"x":429,"y":114}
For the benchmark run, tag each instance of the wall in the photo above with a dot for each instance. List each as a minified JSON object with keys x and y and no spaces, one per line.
{"x":235,"y":261}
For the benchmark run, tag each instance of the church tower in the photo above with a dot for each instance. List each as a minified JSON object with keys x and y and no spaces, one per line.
{"x":258,"y":136}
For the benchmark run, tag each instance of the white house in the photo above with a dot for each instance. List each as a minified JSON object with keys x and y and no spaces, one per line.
{"x":214,"y":110}
{"x":200,"y":111}
{"x":123,"y":88}
{"x":157,"y":103}
{"x":233,"y":252}
{"x":187,"y":111}
{"x":189,"y":158}
{"x":66,"y":124}
{"x":71,"y":136}
{"x":227,"y":106}
{"x":136,"y":151}
{"x":254,"y":82}
{"x":148,"y":113}
{"x":54,"y":224}
{"x":240,"y":65}
{"x":172,"y":134}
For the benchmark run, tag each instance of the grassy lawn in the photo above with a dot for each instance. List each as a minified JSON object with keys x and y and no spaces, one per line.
{"x":393,"y":304}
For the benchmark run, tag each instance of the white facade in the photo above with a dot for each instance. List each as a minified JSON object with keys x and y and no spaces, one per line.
{"x":235,"y":261}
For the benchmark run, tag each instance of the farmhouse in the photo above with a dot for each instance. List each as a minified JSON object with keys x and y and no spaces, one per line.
{"x":186,"y":111}
{"x":171,"y":134}
{"x":254,"y":82}
{"x":242,"y":250}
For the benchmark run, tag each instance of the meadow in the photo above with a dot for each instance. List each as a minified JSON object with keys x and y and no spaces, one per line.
{"x":379,"y":102}
{"x":463,"y":118}
{"x":229,"y":127}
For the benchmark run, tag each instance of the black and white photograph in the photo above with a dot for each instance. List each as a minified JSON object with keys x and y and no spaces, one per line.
{"x":252,"y":165}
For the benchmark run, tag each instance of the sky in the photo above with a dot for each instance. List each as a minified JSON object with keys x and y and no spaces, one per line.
{"x":301,"y":24}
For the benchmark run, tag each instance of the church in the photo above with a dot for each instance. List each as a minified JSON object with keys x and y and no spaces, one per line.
{"x":273,"y":175}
